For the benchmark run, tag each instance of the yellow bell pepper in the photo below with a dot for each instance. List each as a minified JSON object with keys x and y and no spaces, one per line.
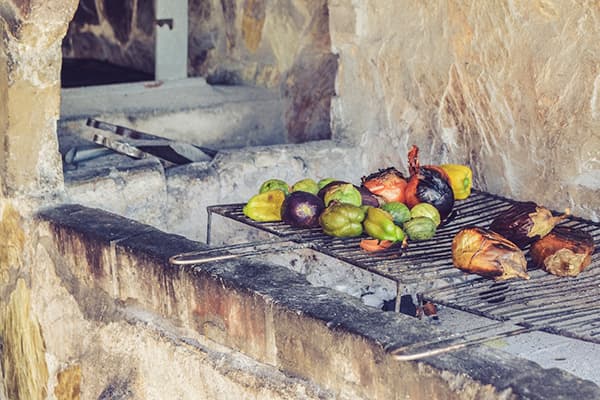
{"x":461,"y":179}
{"x":265,"y":207}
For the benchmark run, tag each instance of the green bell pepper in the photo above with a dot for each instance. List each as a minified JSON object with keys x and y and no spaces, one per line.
{"x":274,"y":184}
{"x":342,"y":220}
{"x":379,"y":224}
{"x":344,"y":193}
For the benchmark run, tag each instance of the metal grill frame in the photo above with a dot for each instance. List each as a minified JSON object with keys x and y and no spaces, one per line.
{"x":559,"y":305}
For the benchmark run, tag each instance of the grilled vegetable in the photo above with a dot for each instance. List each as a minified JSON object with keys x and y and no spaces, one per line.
{"x":486,"y":253}
{"x":420,"y":228}
{"x":305,"y":185}
{"x":399,"y":211}
{"x":389,"y":184}
{"x":343,"y":193}
{"x":428,"y":211}
{"x":428,"y":184}
{"x":329,"y":186}
{"x":563,"y":252}
{"x":302,"y":209}
{"x":372,"y":245}
{"x":342,"y":220}
{"x":524,"y":223}
{"x":274,"y":184}
{"x":265,"y":207}
{"x":368,"y":198}
{"x":326,"y":181}
{"x":379,"y":224}
{"x":461,"y":179}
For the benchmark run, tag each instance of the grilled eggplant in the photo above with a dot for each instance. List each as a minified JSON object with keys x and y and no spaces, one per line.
{"x":483,"y":252}
{"x":563,"y":252}
{"x":524,"y":223}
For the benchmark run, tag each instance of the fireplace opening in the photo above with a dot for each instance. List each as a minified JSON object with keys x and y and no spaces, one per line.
{"x":80,"y":72}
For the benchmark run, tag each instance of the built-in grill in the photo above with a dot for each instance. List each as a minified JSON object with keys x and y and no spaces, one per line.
{"x":564,"y":306}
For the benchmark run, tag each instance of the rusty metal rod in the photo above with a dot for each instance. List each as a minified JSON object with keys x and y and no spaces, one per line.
{"x":251,"y":249}
{"x":399,"y":354}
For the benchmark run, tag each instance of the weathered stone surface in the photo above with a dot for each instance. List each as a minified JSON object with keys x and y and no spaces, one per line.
{"x":510,"y":90}
{"x":13,"y":236}
{"x":145,"y":16}
{"x":122,"y":348}
{"x":68,"y":385}
{"x":30,"y":59}
{"x":252,"y":42}
{"x":119,"y":14}
{"x":253,"y":21}
{"x":115,"y":36}
{"x":87,"y":13}
{"x":161,"y":313}
{"x":23,"y":363}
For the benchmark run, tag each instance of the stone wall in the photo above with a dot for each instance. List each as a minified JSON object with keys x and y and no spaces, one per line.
{"x":510,"y":88}
{"x":30,"y":94}
{"x":273,"y":44}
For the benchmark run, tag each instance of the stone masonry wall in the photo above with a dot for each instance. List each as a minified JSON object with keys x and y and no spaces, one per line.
{"x":30,"y":57}
{"x":510,"y":88}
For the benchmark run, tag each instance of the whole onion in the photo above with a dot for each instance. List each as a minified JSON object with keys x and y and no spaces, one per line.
{"x":428,"y":184}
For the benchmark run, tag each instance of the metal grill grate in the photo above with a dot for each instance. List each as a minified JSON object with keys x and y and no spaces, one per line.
{"x":565,"y":306}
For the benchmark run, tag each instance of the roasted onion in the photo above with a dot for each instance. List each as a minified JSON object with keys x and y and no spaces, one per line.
{"x":389,"y":184}
{"x":428,"y":184}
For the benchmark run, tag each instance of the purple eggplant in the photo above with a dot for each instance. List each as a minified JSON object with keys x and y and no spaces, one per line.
{"x":368,"y":198}
{"x":524,"y":223}
{"x":302,"y":209}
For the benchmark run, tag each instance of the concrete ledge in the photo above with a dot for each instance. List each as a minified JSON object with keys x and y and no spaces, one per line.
{"x":274,"y":316}
{"x":188,"y":110}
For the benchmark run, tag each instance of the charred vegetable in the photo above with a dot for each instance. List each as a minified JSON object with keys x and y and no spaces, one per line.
{"x":368,"y":198}
{"x":302,"y":209}
{"x":486,"y":253}
{"x":372,"y":245}
{"x":389,"y":184}
{"x":274,"y":184}
{"x":524,"y":223}
{"x":428,"y":184}
{"x":420,"y":228}
{"x":342,"y":220}
{"x":563,"y":252}
{"x":265,"y":207}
